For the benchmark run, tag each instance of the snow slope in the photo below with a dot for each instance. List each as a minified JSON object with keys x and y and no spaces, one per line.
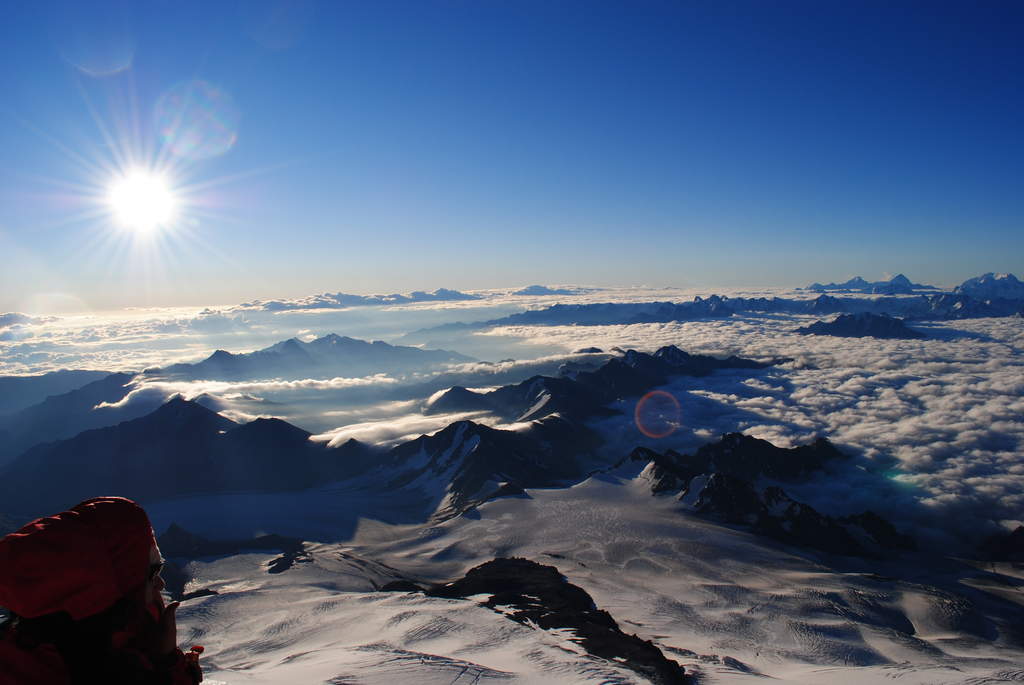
{"x":725,"y":604}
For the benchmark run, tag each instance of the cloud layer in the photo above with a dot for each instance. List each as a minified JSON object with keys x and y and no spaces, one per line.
{"x":943,"y":420}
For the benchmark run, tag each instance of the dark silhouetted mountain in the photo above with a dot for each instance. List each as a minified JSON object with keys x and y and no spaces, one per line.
{"x":470,"y":463}
{"x":863,"y":325}
{"x":345,"y":300}
{"x":583,"y":394}
{"x":544,"y":290}
{"x":19,"y":392}
{"x":897,"y":285}
{"x":719,"y":482}
{"x":326,"y":357}
{"x":458,"y":399}
{"x":181,"y":448}
{"x":589,"y":350}
{"x":63,"y":416}
{"x":744,"y":456}
{"x":1004,"y":546}
{"x":771,"y":512}
{"x":992,"y":286}
{"x":537,"y":595}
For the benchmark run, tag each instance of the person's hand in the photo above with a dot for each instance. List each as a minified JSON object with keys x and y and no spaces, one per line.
{"x":167,"y":630}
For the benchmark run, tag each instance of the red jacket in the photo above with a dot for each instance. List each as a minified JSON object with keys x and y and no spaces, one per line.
{"x":43,"y":665}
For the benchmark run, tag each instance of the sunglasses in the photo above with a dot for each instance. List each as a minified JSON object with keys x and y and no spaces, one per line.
{"x":155,"y":569}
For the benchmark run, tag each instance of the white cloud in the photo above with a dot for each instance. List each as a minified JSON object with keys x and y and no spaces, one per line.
{"x":949,"y":412}
{"x":394,"y":430}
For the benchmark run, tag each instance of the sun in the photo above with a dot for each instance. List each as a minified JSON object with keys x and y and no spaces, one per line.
{"x":142,"y":201}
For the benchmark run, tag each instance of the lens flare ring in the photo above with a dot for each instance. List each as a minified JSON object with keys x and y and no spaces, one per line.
{"x":657,"y":414}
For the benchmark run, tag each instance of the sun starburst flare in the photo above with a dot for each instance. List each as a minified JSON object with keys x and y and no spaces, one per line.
{"x":142,"y":201}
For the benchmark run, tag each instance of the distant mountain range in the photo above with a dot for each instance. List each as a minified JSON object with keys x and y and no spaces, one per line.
{"x":897,"y":285}
{"x":345,"y":300}
{"x":327,"y":357}
{"x":863,"y":325}
{"x":545,"y":290}
{"x":936,"y":306}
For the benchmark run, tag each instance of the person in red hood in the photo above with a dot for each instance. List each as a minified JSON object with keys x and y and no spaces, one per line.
{"x":83,"y":589}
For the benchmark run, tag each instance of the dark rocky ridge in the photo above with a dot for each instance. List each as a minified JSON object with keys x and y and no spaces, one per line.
{"x":534,"y":594}
{"x":740,"y":455}
{"x":476,"y":463}
{"x":863,"y":325}
{"x":721,"y":480}
{"x":586,"y":394}
{"x":1004,"y":547}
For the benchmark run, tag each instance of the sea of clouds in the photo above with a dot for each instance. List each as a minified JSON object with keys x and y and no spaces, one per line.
{"x":937,"y":425}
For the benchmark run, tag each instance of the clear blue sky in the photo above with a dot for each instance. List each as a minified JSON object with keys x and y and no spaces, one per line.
{"x":385,"y":146}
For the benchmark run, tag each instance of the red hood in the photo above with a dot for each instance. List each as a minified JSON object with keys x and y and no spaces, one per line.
{"x":80,"y":561}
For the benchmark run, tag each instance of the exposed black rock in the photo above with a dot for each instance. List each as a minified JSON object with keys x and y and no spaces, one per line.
{"x":534,"y":594}
{"x":719,"y":482}
{"x":740,"y":455}
{"x":878,"y":529}
{"x":863,"y":325}
{"x":1004,"y":546}
{"x":771,"y":512}
{"x":589,"y":350}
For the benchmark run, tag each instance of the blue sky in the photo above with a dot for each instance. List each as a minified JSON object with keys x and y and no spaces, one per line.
{"x":389,"y":146}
